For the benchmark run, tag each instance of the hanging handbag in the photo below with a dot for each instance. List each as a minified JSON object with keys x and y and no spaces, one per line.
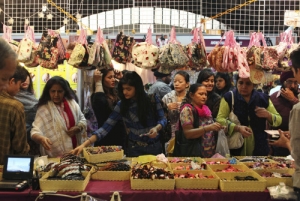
{"x":235,"y":140}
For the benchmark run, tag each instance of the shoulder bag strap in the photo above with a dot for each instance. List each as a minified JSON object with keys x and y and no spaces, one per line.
{"x":232,"y":100}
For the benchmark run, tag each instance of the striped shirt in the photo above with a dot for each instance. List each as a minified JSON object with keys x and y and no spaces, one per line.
{"x":13,"y":137}
{"x":131,"y":120}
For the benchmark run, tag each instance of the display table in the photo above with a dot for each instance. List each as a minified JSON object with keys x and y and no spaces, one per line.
{"x":104,"y":189}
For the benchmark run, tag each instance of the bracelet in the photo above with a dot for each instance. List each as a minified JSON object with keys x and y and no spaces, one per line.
{"x":90,"y":141}
{"x":204,"y":129}
{"x":98,"y":84}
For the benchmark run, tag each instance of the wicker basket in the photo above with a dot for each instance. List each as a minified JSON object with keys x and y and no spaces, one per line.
{"x":111,"y":175}
{"x":155,"y":184}
{"x":64,"y":185}
{"x":247,"y":186}
{"x":240,"y":166}
{"x":96,"y":158}
{"x":274,"y":181}
{"x":186,"y":183}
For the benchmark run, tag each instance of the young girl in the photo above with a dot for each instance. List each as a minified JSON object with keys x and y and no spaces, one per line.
{"x":141,"y":123}
{"x":172,"y":101}
{"x":200,"y":134}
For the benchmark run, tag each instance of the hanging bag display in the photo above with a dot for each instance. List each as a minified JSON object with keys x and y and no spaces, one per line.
{"x":144,"y":54}
{"x":48,"y":51}
{"x":123,"y":48}
{"x":235,"y":140}
{"x":26,"y":45}
{"x":94,"y":56}
{"x":80,"y":54}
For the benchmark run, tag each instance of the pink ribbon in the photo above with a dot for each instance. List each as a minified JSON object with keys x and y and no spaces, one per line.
{"x":149,"y":37}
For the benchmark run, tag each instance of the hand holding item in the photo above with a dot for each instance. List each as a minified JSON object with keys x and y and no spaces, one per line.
{"x":73,"y":131}
{"x":287,"y":94}
{"x":172,"y":106}
{"x":46,"y":143}
{"x":213,"y":127}
{"x":97,"y":76}
{"x":283,"y":140}
{"x":262,"y":112}
{"x":245,"y":131}
{"x":153,"y":132}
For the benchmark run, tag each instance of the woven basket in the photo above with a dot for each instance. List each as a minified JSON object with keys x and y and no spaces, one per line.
{"x":64,"y":185}
{"x":111,"y":175}
{"x":247,"y":186}
{"x":96,"y":158}
{"x":273,"y":181}
{"x":155,"y":184}
{"x":240,"y":166}
{"x":186,"y":183}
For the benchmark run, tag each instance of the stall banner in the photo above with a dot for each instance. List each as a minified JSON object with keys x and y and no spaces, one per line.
{"x":40,"y":76}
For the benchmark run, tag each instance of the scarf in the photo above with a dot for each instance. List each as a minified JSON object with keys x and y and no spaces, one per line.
{"x":69,"y":113}
{"x":202,"y":111}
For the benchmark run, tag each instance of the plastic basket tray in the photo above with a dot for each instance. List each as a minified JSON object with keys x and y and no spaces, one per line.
{"x":247,"y":186}
{"x":271,"y":166}
{"x":64,"y":185}
{"x":240,"y":166}
{"x":274,"y":181}
{"x":265,"y":157}
{"x":111,"y":175}
{"x":96,"y":158}
{"x":155,"y":184}
{"x":174,"y":165}
{"x":222,"y":160}
{"x":198,"y":159}
{"x":194,"y":183}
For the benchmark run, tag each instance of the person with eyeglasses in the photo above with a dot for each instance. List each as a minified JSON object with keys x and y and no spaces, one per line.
{"x":284,"y":101}
{"x":253,"y":109}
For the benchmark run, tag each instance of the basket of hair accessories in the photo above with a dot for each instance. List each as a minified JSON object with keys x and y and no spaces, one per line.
{"x":103,"y":153}
{"x":241,"y":181}
{"x":147,"y":176}
{"x":70,"y":174}
{"x":113,"y":171}
{"x":197,"y":179}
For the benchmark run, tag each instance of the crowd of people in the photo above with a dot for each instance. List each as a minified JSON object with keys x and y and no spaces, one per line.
{"x":54,"y":124}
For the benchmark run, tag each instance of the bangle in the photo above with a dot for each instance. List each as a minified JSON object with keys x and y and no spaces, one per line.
{"x":90,"y":141}
{"x":238,"y":128}
{"x":204,"y":129}
{"x":98,"y":83}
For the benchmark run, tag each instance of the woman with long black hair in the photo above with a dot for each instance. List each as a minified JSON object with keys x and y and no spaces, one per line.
{"x":142,"y":122}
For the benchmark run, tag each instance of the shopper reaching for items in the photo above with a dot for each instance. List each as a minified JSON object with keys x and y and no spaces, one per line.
{"x":138,"y":118}
{"x":59,"y":122}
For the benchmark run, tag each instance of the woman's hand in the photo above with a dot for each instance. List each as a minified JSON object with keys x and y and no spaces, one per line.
{"x":213,"y":127}
{"x":262,"y":112}
{"x":283,"y":140}
{"x":172,"y":106}
{"x":77,"y":150}
{"x":97,"y":76}
{"x":46,"y":143}
{"x":245,"y":131}
{"x":153,"y":132}
{"x":73,"y":131}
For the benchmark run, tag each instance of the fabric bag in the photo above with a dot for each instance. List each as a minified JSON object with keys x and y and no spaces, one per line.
{"x":236,"y":140}
{"x":25,"y":46}
{"x":187,"y":147}
{"x":222,"y":144}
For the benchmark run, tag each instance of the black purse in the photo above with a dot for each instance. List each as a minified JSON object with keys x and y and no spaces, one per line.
{"x":187,"y":147}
